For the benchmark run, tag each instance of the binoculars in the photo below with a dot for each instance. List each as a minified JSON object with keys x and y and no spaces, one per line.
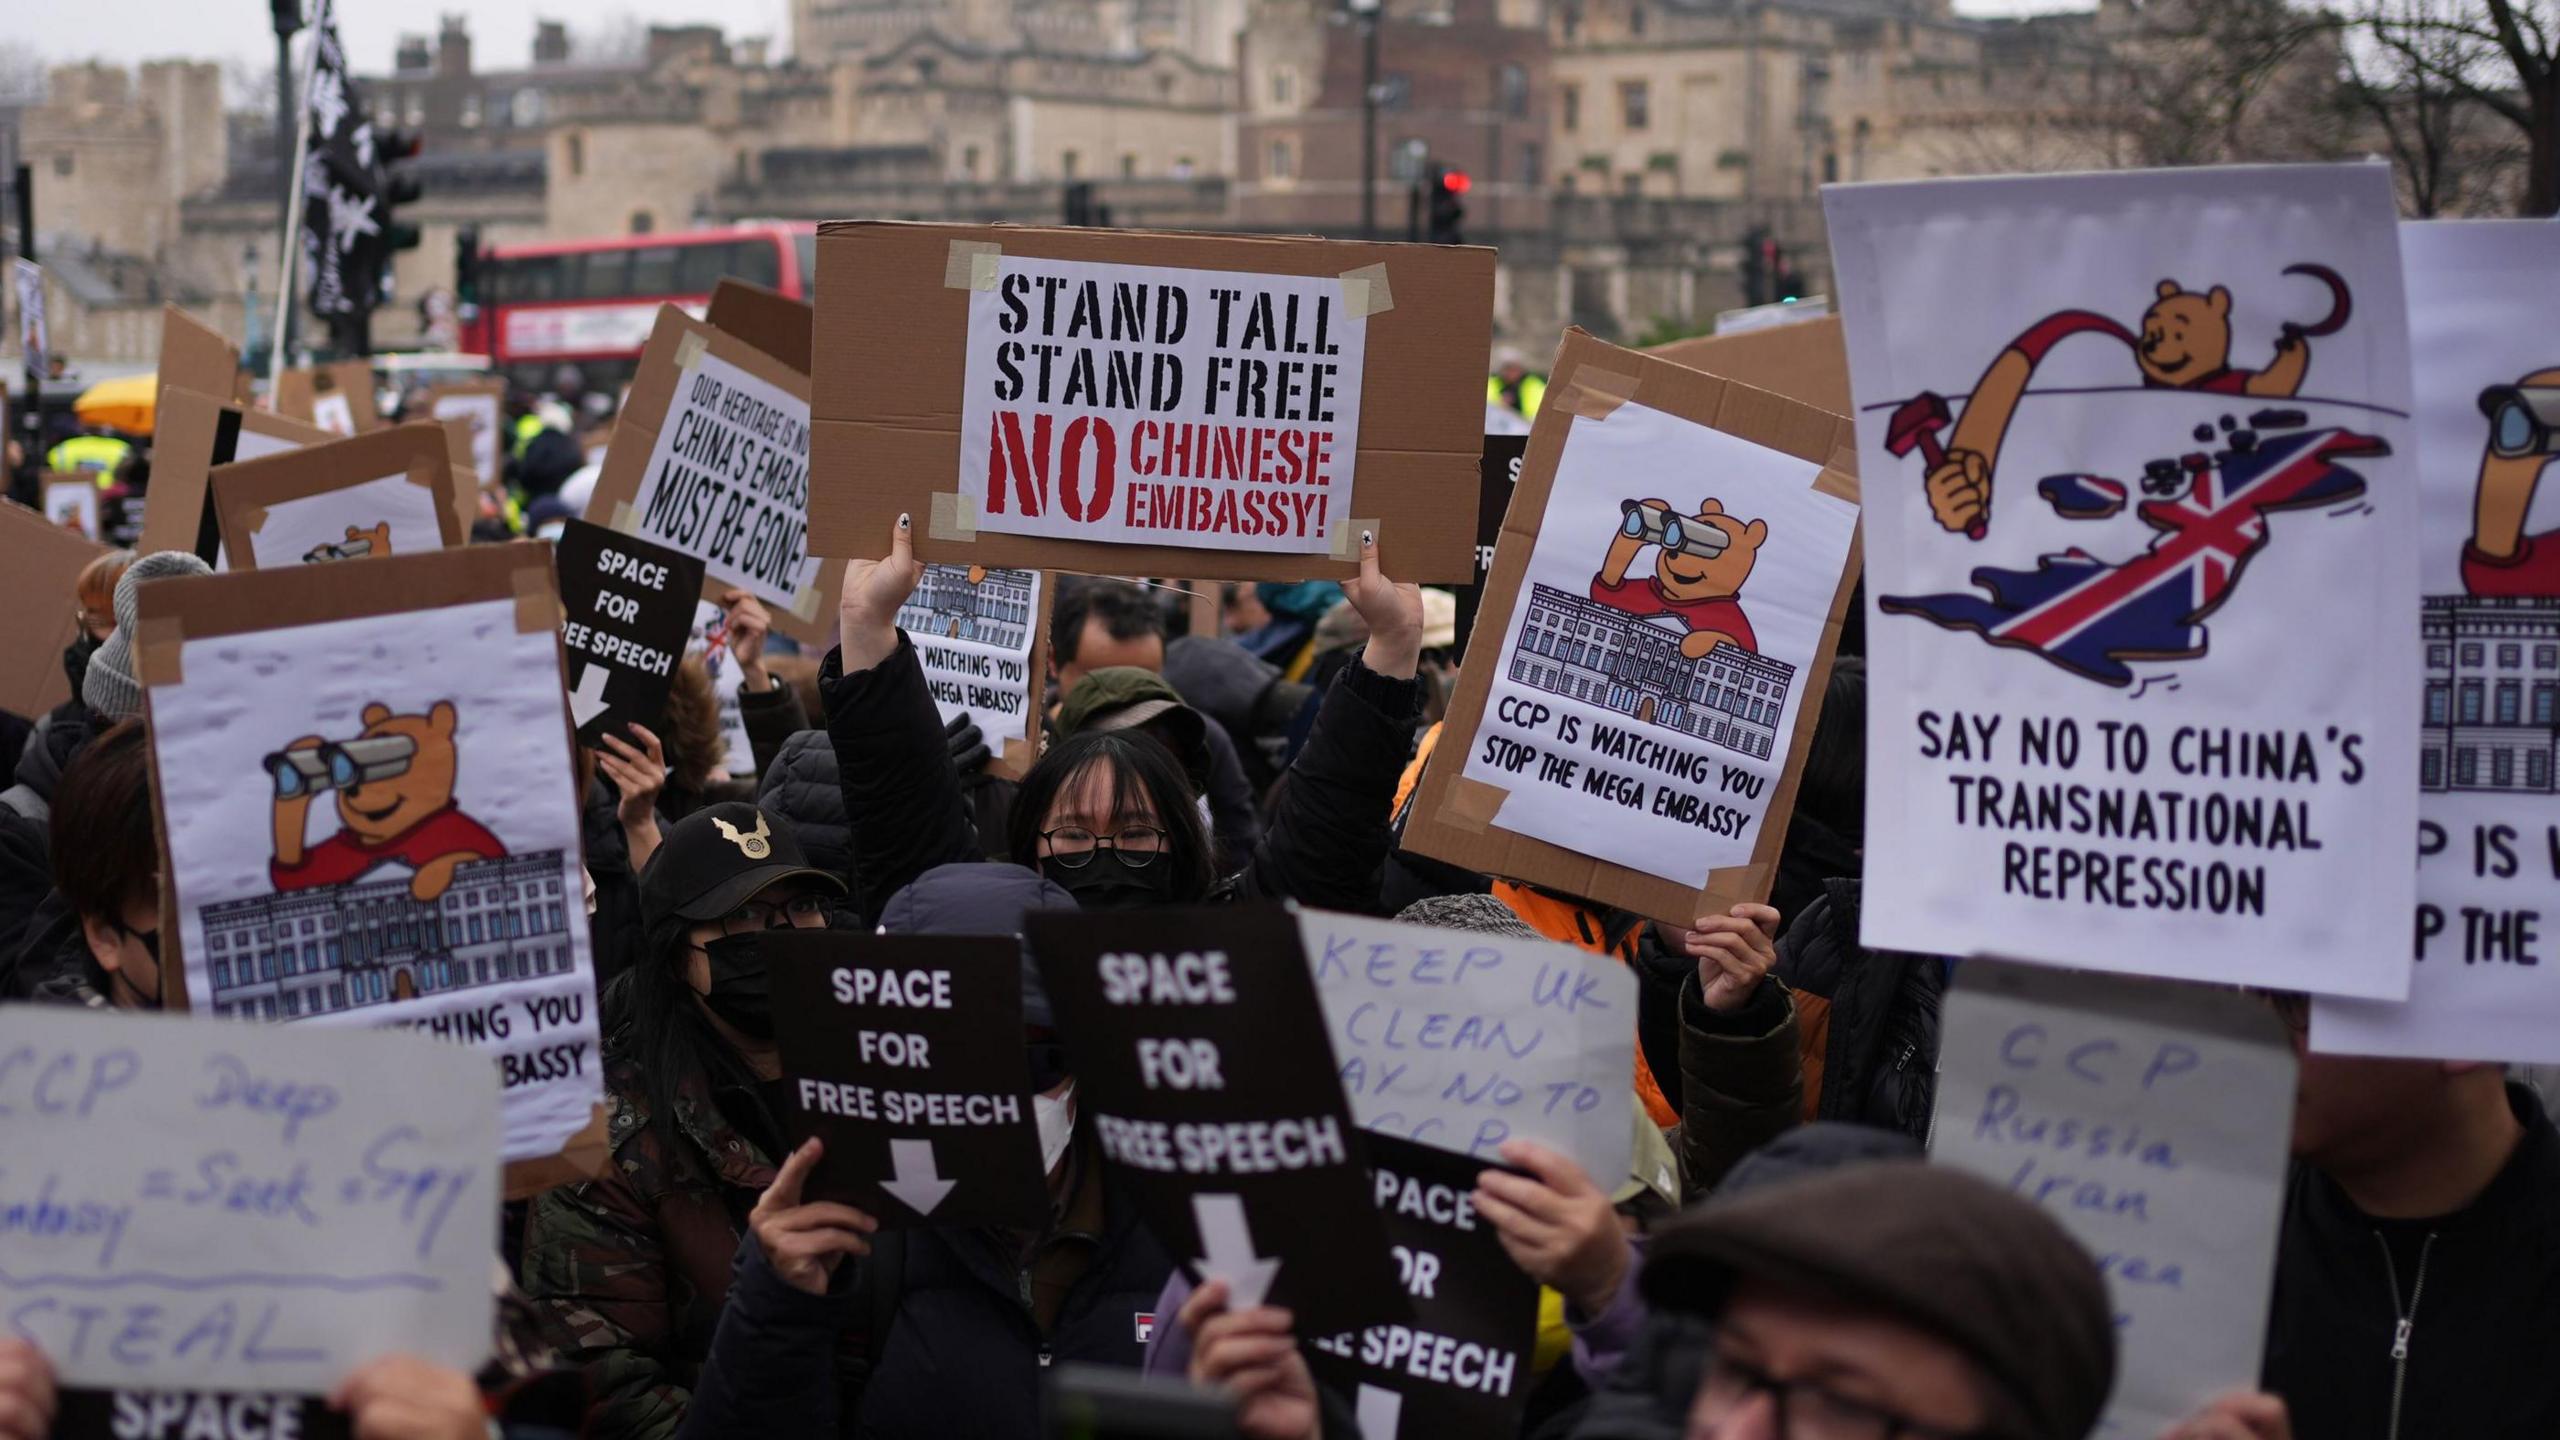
{"x":1679,"y":533}
{"x":338,"y":550}
{"x":2523,"y":420}
{"x":340,"y":766}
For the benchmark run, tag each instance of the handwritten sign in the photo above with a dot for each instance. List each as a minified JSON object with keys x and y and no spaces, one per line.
{"x":1157,"y":405}
{"x":201,"y":1205}
{"x":1465,"y":1040}
{"x":2151,"y":1120}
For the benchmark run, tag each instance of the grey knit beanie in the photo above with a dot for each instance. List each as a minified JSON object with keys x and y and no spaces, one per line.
{"x":110,"y":690}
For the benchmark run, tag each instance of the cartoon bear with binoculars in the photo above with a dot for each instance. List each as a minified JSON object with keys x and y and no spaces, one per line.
{"x":394,"y":787}
{"x":1700,"y":564}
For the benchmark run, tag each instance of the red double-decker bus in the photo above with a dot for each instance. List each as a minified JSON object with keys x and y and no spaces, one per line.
{"x":591,"y":303}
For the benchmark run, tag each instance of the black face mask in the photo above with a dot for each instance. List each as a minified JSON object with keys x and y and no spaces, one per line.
{"x":86,"y":646}
{"x":741,"y":992}
{"x":1107,"y":882}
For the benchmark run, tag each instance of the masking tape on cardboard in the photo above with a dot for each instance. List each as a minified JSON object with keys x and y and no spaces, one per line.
{"x":954,"y":517}
{"x":1346,"y":538}
{"x":253,"y":521}
{"x":805,"y":604}
{"x":1017,"y":759}
{"x":1839,"y":477}
{"x":971,"y":265}
{"x":537,"y":603}
{"x":156,"y":657}
{"x":1472,"y":804}
{"x":1594,"y":393}
{"x":689,"y":349}
{"x":1365,"y":291}
{"x":621,"y":521}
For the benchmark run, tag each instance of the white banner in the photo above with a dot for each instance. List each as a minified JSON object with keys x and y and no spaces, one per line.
{"x":728,"y":481}
{"x":973,"y":630}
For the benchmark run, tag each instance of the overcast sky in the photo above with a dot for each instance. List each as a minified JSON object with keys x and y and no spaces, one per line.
{"x":501,"y":30}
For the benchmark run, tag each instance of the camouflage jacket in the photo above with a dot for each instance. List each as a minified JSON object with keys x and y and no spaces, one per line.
{"x":628,"y":1273}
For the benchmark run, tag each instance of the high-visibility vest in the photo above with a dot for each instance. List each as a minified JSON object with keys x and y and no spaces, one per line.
{"x":527,"y":426}
{"x":98,"y":453}
{"x":1533,"y":388}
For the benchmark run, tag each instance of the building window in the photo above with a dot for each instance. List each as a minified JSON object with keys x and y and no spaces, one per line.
{"x":527,"y":107}
{"x":1129,"y":166}
{"x":2466,"y":766}
{"x":1569,"y":107}
{"x":1284,"y":161}
{"x":2546,"y":657}
{"x":470,"y":112}
{"x":2546,"y":704}
{"x":642,"y":222}
{"x":1511,"y":91}
{"x":1404,"y":159}
{"x":2537,"y":770}
{"x":2471,"y":697}
{"x":1395,"y":90}
{"x":577,"y":154}
{"x":2502,"y":768}
{"x":1635,"y":104}
{"x":221,"y":974}
{"x":2439,"y":656}
{"x":2439,"y":704}
{"x":1635,"y":20}
{"x":2510,"y":656}
{"x":1284,"y":84}
{"x":2431,"y":770}
{"x":969,"y":161}
{"x":62,"y":164}
{"x":2510,"y":703}
{"x":1067,"y":162}
{"x":2471,"y":655}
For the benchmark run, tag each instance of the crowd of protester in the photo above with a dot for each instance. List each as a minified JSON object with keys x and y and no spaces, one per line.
{"x":1783,"y":1261}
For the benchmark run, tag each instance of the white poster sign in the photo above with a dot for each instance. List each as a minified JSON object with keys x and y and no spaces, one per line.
{"x":709,"y":641}
{"x":488,"y":429}
{"x":208,"y":1205}
{"x":370,"y":824}
{"x":1157,"y":405}
{"x":973,"y":629}
{"x":2137,"y":470}
{"x":728,"y":481}
{"x":1652,"y":669}
{"x":2151,"y":1121}
{"x":72,"y":503}
{"x":2484,"y":335}
{"x":389,"y":515}
{"x":331,"y":412}
{"x":1463,"y":1040}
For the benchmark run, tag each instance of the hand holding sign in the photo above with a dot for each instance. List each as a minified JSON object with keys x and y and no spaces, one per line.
{"x":638,"y":772}
{"x":1555,"y":1224}
{"x":1393,"y":613}
{"x":1253,"y":1356}
{"x":873,"y":591}
{"x":27,"y":1397}
{"x":749,"y":623}
{"x":805,"y":1243}
{"x":1733,"y":952}
{"x":401,"y":1397}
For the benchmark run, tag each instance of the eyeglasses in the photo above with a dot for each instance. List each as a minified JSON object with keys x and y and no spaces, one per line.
{"x":1074,"y":846}
{"x":1802,"y":1409}
{"x":2523,"y":419}
{"x":1680,"y":534}
{"x":801,"y":912}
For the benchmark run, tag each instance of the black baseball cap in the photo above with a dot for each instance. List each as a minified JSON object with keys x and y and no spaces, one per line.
{"x":717,"y":858}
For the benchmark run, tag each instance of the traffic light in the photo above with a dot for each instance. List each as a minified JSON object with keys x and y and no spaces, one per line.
{"x":466,"y":270}
{"x":1759,"y":247}
{"x":397,"y":187}
{"x":1448,"y":214}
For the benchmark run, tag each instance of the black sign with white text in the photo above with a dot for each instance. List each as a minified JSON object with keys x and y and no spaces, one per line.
{"x":1501,"y":471}
{"x":1462,"y":1366}
{"x":195,"y":1415}
{"x":905,"y":1056}
{"x":1202,"y":1064}
{"x":628,"y":605}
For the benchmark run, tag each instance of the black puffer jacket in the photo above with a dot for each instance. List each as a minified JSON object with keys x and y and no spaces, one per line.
{"x":1879,"y":1062}
{"x":1241,"y":691}
{"x":26,"y":819}
{"x":804,"y":786}
{"x":1325,"y":845}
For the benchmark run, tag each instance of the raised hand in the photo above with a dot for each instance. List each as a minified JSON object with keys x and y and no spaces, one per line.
{"x":873,"y":591}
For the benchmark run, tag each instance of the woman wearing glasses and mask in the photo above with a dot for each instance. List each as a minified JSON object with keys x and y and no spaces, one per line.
{"x":1110,"y":815}
{"x":629,"y":1271}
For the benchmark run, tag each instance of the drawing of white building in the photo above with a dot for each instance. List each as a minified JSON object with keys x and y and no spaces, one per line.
{"x":1575,"y":647}
{"x":996,"y":611}
{"x":2493,"y":695}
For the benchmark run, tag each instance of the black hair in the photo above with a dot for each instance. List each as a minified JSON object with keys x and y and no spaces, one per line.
{"x":655,"y":1022}
{"x":1126,"y":613}
{"x":103,"y":855}
{"x":1834,"y":787}
{"x":1138,"y":764}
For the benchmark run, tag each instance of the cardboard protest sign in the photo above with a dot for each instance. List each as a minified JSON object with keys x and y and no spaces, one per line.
{"x":982,"y":636}
{"x":1674,"y":568}
{"x":255,"y":1211}
{"x":1463,"y":1366}
{"x":481,"y":404}
{"x":904,"y":1053}
{"x":2140,"y":700}
{"x":388,"y":493}
{"x":1130,"y":403}
{"x":766,"y":319}
{"x":196,"y":433}
{"x":1464,"y":1040}
{"x":1498,"y":477}
{"x":368,"y":814}
{"x":196,"y":357}
{"x":710,"y":456}
{"x":708,"y":641}
{"x":2484,"y":335}
{"x":71,"y":501}
{"x":2151,"y":1121}
{"x":1807,"y":361}
{"x":1200,"y":1061}
{"x":39,"y":592}
{"x":629,"y":607}
{"x":337,"y":398}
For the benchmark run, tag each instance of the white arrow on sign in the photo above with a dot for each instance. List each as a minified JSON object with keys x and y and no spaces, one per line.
{"x":1380,"y":1412}
{"x":914,"y":1180}
{"x":587,"y":701}
{"x":1228,"y":1247}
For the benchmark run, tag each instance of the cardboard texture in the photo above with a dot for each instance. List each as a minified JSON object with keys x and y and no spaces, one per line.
{"x":36,"y":593}
{"x":635,"y":434}
{"x":245,"y":602}
{"x":769,"y":320}
{"x":244,"y":492}
{"x":192,"y":426}
{"x":195,"y":356}
{"x":893,"y":353}
{"x":466,"y":478}
{"x":1456,"y":819}
{"x":1807,"y":361}
{"x":298,"y":392}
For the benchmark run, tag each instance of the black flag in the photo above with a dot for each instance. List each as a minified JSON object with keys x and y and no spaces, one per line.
{"x":342,"y":249}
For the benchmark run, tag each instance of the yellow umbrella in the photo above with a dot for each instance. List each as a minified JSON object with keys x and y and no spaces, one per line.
{"x":128,"y":403}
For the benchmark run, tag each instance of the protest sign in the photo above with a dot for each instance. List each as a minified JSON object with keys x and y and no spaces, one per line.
{"x":71,"y":501}
{"x":418,"y":699}
{"x":904,"y":1053}
{"x":141,"y":1414}
{"x":1200,"y":1062}
{"x":1464,"y":1040}
{"x":708,"y":640}
{"x":710,"y":456}
{"x":1635,"y":731}
{"x":194,"y":434}
{"x":39,"y":592}
{"x":980,"y":635}
{"x":481,"y":404}
{"x":195,"y":356}
{"x":1807,"y":361}
{"x":388,"y":493}
{"x":2140,"y":700}
{"x":629,"y":607}
{"x":1499,"y":476}
{"x":195,"y":1205}
{"x":766,"y":319}
{"x":1125,"y":403}
{"x":1463,"y":1366}
{"x":337,"y":398}
{"x":2484,"y":335}
{"x":2151,"y":1121}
